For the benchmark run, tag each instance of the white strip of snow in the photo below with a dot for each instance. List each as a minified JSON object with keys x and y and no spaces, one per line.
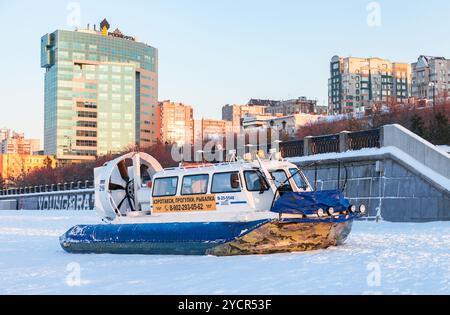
{"x":425,"y":171}
{"x":11,"y":231}
{"x":444,"y":148}
{"x":332,"y":156}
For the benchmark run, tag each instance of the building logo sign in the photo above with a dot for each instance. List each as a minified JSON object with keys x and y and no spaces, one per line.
{"x":104,"y":27}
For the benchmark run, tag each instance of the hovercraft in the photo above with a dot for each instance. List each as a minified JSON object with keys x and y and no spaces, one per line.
{"x":247,"y":207}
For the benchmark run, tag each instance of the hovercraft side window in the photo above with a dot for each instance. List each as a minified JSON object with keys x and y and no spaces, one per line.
{"x":165,"y":187}
{"x":255,"y":181}
{"x":226,"y":183}
{"x":195,"y":185}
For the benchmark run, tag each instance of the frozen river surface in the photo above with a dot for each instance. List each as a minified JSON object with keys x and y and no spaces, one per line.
{"x":383,"y":258}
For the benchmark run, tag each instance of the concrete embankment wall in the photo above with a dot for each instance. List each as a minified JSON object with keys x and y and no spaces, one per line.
{"x":396,"y":190}
{"x":8,"y":204}
{"x":64,"y":200}
{"x":417,"y":148}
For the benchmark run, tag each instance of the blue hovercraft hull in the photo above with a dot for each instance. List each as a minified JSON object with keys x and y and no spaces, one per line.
{"x":218,"y":238}
{"x":154,"y":239}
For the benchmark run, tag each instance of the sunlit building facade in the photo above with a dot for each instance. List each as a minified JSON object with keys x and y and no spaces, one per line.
{"x":357,"y":84}
{"x":101,"y":91}
{"x":176,"y":123}
{"x":236,"y":113}
{"x":15,"y":143}
{"x":211,"y":129}
{"x":13,"y":166}
{"x":289,"y":124}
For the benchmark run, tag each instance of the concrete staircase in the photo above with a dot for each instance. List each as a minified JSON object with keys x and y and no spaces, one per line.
{"x":419,"y":149}
{"x":406,"y":180}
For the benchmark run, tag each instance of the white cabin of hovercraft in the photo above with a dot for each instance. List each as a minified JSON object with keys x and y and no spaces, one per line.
{"x":242,"y":187}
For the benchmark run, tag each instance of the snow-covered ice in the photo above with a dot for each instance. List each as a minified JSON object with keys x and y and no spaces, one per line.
{"x":383,"y":258}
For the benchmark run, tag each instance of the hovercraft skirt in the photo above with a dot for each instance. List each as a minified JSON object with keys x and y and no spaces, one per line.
{"x":219,"y":239}
{"x":154,"y":239}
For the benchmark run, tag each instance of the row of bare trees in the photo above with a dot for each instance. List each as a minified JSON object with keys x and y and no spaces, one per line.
{"x":80,"y":172}
{"x":431,"y":123}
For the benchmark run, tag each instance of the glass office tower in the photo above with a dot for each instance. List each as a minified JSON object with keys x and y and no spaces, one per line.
{"x":101,"y":92}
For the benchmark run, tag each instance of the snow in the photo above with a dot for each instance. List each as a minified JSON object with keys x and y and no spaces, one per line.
{"x":332,"y":156}
{"x":427,"y":172}
{"x":444,"y":148}
{"x":379,"y":258}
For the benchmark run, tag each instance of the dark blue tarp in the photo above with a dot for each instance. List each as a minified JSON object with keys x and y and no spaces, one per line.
{"x":308,"y":203}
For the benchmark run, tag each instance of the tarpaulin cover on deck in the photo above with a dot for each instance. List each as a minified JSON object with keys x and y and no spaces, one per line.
{"x":309,"y":202}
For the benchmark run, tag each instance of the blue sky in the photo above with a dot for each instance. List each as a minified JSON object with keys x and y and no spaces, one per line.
{"x":217,"y":52}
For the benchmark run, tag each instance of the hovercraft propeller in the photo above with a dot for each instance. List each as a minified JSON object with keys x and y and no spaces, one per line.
{"x":119,"y":182}
{"x":127,"y":188}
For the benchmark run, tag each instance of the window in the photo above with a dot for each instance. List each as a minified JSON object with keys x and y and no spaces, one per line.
{"x":255,"y":181}
{"x":280,"y":178}
{"x":195,"y":185}
{"x":83,"y":133}
{"x":226,"y":183}
{"x":86,"y":105}
{"x":87,"y":115}
{"x":165,"y":187}
{"x":86,"y":143}
{"x":298,"y":179}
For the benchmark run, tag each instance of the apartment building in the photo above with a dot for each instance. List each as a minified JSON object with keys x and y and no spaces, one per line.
{"x":289,"y":124}
{"x":301,"y":105}
{"x":15,"y":143}
{"x":236,"y":113}
{"x":211,"y":129}
{"x":356,"y":84}
{"x":431,"y":78}
{"x":176,"y":123}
